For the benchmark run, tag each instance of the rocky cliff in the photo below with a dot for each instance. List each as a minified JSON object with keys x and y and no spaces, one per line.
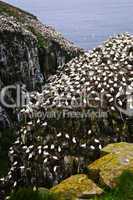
{"x":63,"y":128}
{"x":53,"y":48}
{"x":18,"y":54}
{"x":29,"y":51}
{"x":82,"y":107}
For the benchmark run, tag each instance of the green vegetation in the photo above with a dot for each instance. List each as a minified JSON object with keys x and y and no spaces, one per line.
{"x":29,"y":194}
{"x":124,"y":191}
{"x":13,"y":11}
{"x":41,"y":42}
{"x":4,"y":8}
{"x":40,"y":39}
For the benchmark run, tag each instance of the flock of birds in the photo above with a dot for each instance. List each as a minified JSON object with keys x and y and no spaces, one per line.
{"x":49,"y":33}
{"x":47,"y":150}
{"x":10,"y":24}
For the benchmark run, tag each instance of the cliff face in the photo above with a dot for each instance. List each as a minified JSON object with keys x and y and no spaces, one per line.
{"x":29,"y":51}
{"x":53,"y":49}
{"x":18,"y":54}
{"x":19,"y":62}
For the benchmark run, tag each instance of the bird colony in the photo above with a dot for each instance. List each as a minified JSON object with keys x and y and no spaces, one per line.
{"x":49,"y":33}
{"x":50,"y":148}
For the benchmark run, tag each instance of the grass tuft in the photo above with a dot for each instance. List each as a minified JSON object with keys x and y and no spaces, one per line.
{"x":29,"y":194}
{"x":124,"y":191}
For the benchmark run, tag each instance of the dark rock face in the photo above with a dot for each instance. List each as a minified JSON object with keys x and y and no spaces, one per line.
{"x":18,"y":54}
{"x":19,"y":62}
{"x":54,"y":50}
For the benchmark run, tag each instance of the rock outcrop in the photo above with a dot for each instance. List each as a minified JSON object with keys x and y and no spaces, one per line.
{"x":108,"y":168}
{"x":116,"y":160}
{"x":76,"y":187}
{"x":117,"y":148}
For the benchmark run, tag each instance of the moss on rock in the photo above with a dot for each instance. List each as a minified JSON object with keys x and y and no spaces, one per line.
{"x":112,"y":165}
{"x":117,"y":147}
{"x":78,"y":186}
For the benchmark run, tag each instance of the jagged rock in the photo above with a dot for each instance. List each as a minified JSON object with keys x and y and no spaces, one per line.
{"x":77,"y":187}
{"x":54,"y":50}
{"x":109,"y":167}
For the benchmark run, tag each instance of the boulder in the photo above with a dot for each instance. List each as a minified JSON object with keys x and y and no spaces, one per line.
{"x":76,"y":187}
{"x":112,"y":165}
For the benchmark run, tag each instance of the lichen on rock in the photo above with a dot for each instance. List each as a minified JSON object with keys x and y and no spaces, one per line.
{"x":77,"y":187}
{"x":109,"y":167}
{"x":117,"y":148}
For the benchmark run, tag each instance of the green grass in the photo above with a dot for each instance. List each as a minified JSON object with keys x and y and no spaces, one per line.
{"x":29,"y":194}
{"x":124,"y":191}
{"x":41,"y":42}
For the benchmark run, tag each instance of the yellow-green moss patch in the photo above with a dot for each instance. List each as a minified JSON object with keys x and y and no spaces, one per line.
{"x":75,"y":187}
{"x":114,"y":164}
{"x":117,"y":148}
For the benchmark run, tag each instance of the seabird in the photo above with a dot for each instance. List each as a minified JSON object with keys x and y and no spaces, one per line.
{"x":45,"y":153}
{"x":45,"y":160}
{"x":96,"y":140}
{"x":59,"y":135}
{"x":55,"y":157}
{"x":83,"y":145}
{"x":67,"y":136}
{"x":52,"y":146}
{"x":59,"y":149}
{"x":92,"y":147}
{"x":74,"y":140}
